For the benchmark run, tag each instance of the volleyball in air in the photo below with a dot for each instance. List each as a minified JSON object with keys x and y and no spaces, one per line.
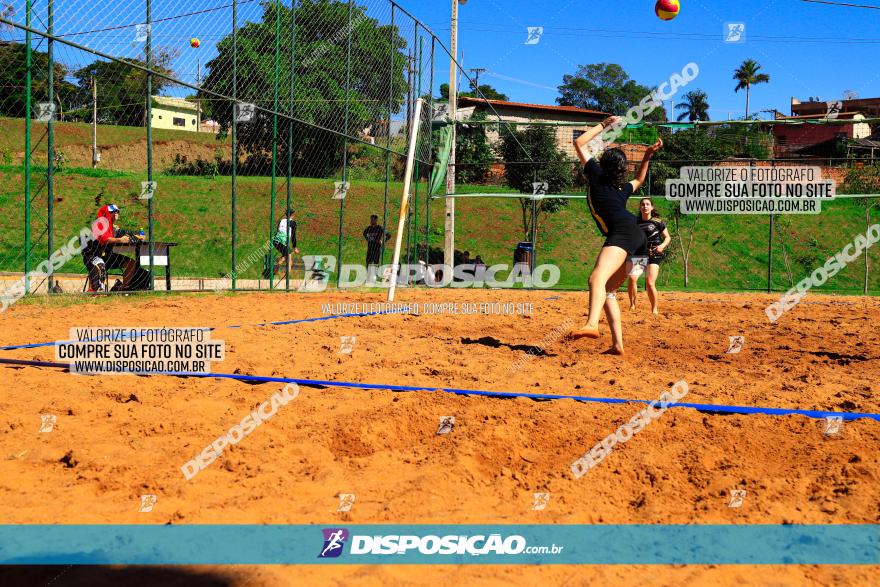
{"x":667,"y":9}
{"x":194,"y":43}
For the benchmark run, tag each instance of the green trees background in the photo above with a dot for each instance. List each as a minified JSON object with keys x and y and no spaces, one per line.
{"x":320,"y":75}
{"x":12,"y":79}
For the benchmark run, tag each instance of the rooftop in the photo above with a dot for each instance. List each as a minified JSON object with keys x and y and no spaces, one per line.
{"x":844,"y":115}
{"x":179,"y":103}
{"x":541,"y":107}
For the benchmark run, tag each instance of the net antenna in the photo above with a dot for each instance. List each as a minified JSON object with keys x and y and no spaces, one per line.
{"x":404,"y":203}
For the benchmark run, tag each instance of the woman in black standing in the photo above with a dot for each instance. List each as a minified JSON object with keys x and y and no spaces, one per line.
{"x":658,"y":239}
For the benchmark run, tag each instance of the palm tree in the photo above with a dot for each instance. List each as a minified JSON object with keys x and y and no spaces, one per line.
{"x":695,"y":106}
{"x":747,"y":75}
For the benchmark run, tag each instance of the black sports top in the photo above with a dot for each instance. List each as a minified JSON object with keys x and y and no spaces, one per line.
{"x":607,"y":203}
{"x":653,"y":229}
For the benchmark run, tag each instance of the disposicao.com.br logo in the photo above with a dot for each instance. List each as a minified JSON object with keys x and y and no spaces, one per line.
{"x":403,"y":544}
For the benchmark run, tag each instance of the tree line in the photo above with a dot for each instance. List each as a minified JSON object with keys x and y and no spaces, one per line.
{"x":320,"y":79}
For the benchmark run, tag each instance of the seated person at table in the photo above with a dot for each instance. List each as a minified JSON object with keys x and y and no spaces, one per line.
{"x":98,"y":254}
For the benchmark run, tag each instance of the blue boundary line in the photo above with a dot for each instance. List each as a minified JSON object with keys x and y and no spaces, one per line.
{"x":718,"y":408}
{"x":281,"y":323}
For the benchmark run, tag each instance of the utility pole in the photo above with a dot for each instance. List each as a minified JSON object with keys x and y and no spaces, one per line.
{"x":449,"y":225}
{"x":95,"y":155}
{"x":477,"y":71}
{"x":198,"y":101}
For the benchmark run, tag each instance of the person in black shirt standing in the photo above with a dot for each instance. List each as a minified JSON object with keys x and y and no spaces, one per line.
{"x":658,"y":239}
{"x":607,"y":196}
{"x":373,"y":235}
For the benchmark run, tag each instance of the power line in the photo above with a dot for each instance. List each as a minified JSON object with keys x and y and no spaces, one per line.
{"x":155,"y":21}
{"x":842,"y":4}
{"x":521,"y":81}
{"x":663,"y":35}
{"x":477,"y":71}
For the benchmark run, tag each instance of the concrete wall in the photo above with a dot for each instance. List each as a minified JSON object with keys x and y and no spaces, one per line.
{"x":163,"y":117}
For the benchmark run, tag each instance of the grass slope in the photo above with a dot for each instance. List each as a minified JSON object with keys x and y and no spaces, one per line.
{"x":729,"y":252}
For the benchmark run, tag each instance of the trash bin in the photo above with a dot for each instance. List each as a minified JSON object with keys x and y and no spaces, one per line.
{"x":523,"y":253}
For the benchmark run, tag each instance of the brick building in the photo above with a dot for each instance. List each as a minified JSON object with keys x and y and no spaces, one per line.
{"x":803,"y":137}
{"x":525,"y":113}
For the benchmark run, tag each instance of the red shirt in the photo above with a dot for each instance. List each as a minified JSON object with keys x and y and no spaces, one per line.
{"x":103,"y":236}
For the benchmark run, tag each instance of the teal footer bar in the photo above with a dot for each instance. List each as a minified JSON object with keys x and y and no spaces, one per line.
{"x":33,"y":544}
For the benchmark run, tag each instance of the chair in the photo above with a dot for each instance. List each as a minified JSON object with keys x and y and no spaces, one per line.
{"x":104,"y":279}
{"x":84,"y":242}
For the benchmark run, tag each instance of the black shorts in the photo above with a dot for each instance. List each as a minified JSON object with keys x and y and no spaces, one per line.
{"x":629,"y":237}
{"x":656,"y":260}
{"x":283,"y":249}
{"x":111,"y":260}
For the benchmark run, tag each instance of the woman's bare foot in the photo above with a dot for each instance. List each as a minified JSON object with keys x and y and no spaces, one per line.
{"x":632,"y":307}
{"x":585,"y":332}
{"x":615,"y":350}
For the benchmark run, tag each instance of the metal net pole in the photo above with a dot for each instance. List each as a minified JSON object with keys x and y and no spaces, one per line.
{"x":50,"y":144}
{"x":149,"y":121}
{"x":27,"y":150}
{"x":274,"y":141}
{"x":234,"y":126}
{"x":292,"y":111}
{"x":345,"y":147}
{"x":388,"y":139}
{"x":430,"y":151}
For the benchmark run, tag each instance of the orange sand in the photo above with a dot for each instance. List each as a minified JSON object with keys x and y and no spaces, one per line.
{"x":382,"y":446}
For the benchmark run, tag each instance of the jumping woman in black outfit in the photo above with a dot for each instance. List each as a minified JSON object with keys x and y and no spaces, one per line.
{"x":607,"y":197}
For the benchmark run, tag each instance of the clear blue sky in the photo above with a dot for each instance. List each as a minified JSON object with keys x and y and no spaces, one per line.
{"x":807,"y":49}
